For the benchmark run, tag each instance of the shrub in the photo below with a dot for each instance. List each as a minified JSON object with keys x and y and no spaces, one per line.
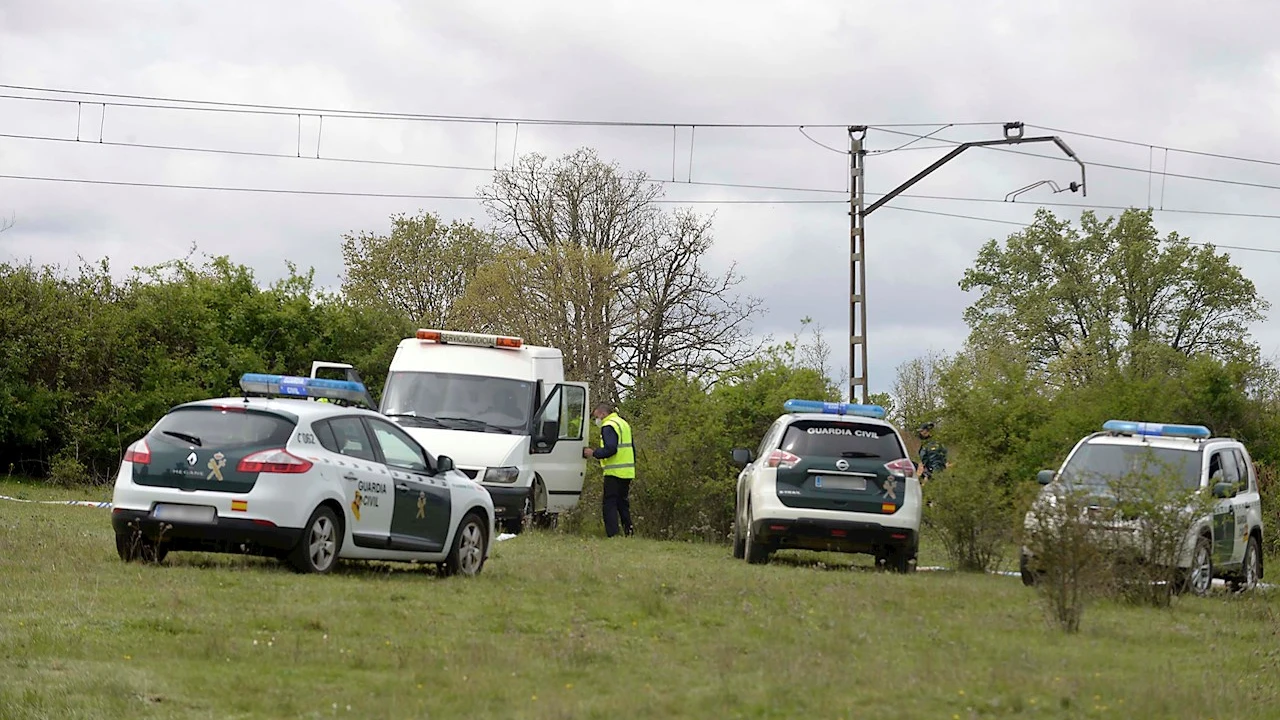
{"x":971,"y":517}
{"x":1068,"y":559}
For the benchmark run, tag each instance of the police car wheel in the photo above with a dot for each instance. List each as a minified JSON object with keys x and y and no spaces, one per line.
{"x":1199,"y":577}
{"x":1250,"y":568}
{"x":317,"y":549}
{"x":755,"y":551}
{"x":467,"y":556}
{"x":739,"y":542}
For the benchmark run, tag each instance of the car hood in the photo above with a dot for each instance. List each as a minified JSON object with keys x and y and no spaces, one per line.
{"x":469,"y":449}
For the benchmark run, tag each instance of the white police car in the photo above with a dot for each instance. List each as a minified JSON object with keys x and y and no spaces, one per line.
{"x":828,"y":477}
{"x":308,"y":482}
{"x":1227,"y":544}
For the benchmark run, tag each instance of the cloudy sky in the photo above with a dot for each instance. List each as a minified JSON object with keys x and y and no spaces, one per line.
{"x":1160,"y":73}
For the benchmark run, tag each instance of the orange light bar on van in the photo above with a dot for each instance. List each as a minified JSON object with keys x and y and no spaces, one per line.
{"x":446,"y":337}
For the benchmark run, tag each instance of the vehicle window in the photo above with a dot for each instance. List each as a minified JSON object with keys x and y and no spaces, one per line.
{"x":1246,"y":477}
{"x":1230,"y":470}
{"x":325,"y":435}
{"x":224,"y":429}
{"x":766,"y":442}
{"x":398,"y":449}
{"x":1097,"y":465}
{"x":849,"y":439}
{"x":351,"y":439}
{"x":573,"y":411}
{"x":461,"y":402}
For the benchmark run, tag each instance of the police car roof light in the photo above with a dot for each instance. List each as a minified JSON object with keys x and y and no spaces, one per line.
{"x":1132,"y":427}
{"x":447,"y":337}
{"x":303,"y":387}
{"x":833,"y":408}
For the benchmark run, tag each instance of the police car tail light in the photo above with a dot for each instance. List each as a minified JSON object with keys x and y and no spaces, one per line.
{"x":445,"y":337}
{"x":273,"y":461}
{"x":782,"y":460}
{"x":902,"y":467}
{"x":138,"y":453}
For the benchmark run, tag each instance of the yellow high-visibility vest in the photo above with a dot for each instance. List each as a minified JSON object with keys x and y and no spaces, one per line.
{"x":621,"y":464}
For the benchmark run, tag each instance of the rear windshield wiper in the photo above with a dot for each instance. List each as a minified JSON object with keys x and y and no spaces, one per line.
{"x":857,"y":454}
{"x":183,"y":436}
{"x":473,"y":421}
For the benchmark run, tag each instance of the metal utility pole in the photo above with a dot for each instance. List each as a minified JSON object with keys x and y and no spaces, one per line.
{"x":858,"y":372}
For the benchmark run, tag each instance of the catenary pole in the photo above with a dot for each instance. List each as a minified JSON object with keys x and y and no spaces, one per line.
{"x":858,"y":371}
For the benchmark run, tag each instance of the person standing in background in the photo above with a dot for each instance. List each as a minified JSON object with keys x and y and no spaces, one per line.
{"x":618,"y":464}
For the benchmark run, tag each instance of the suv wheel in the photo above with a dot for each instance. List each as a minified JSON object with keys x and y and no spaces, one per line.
{"x":1200,"y":575}
{"x":739,"y":540}
{"x":755,"y":551}
{"x":1250,"y":568}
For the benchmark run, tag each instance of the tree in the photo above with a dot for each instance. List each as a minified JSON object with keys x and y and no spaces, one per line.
{"x":917,"y":392}
{"x":419,"y":270}
{"x":658,"y":308}
{"x":1086,"y":301}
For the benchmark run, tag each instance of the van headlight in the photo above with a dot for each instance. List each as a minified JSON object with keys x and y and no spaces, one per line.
{"x":501,"y":474}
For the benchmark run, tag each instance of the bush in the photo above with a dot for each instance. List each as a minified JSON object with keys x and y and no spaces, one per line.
{"x":972,"y":517}
{"x":1069,"y":560}
{"x":1269,"y":487}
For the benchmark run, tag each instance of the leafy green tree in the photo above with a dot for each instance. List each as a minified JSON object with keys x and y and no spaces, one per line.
{"x":1080,"y":302}
{"x":419,"y":270}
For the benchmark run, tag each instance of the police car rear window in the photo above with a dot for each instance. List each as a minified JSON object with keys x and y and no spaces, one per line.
{"x":226,"y":430}
{"x":852,"y":439}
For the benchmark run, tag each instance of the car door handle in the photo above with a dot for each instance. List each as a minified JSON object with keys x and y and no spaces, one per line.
{"x":350,"y":476}
{"x":402,"y":486}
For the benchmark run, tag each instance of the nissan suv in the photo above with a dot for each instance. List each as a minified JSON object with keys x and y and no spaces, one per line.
{"x":828,"y":477}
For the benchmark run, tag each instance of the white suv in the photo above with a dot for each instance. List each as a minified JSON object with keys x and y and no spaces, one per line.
{"x":828,"y":477}
{"x":1226,"y":544}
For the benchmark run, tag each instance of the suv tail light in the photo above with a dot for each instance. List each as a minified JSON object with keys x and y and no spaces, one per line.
{"x":902,"y":467}
{"x":782,"y":460}
{"x":138,"y":453}
{"x":273,"y":461}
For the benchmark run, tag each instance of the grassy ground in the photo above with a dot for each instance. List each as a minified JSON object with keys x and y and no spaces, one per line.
{"x":564,"y":627}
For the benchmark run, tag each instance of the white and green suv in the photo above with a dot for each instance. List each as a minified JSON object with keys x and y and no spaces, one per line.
{"x":1223,"y":544}
{"x":828,"y":477}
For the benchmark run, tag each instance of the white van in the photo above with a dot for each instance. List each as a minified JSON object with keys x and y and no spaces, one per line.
{"x":501,"y":410}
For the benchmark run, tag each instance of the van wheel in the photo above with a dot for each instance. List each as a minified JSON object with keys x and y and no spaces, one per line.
{"x":317,"y":549}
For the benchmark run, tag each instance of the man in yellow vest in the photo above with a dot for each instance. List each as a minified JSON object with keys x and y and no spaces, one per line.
{"x":617,"y":459}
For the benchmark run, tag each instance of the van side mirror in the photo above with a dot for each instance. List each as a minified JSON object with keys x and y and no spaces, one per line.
{"x":742,"y":457}
{"x":1224,"y":490}
{"x":1044,"y":477}
{"x":444,"y":464}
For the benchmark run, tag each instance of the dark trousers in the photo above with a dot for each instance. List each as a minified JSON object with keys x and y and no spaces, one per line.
{"x":616,"y":504}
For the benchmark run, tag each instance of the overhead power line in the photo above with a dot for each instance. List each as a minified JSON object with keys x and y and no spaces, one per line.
{"x":392,"y":163}
{"x":172,"y":103}
{"x":348,"y":193}
{"x":1184,"y":151}
{"x":1127,"y":168}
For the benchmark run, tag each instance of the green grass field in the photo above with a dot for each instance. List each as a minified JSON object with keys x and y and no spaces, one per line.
{"x":562,"y":627}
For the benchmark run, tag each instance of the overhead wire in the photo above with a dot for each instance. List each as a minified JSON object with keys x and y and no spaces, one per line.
{"x":172,"y":103}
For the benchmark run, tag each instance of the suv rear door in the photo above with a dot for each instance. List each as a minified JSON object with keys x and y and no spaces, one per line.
{"x":199,"y":447}
{"x":841,"y":465}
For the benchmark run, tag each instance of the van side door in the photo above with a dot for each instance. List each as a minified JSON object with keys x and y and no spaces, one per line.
{"x":556,"y":444}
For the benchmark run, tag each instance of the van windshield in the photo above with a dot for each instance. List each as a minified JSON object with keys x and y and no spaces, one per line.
{"x":459,"y":402}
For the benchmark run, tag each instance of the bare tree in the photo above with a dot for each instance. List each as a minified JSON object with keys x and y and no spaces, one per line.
{"x":658,"y":308}
{"x":915,"y":390}
{"x":6,"y":223}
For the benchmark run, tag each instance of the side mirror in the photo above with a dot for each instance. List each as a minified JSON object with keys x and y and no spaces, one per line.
{"x":444,"y":464}
{"x":1044,"y":477}
{"x":1224,"y":490}
{"x":742,"y":457}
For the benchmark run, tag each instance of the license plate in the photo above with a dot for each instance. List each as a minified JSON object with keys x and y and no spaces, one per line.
{"x":838,"y":482}
{"x":185,"y":513}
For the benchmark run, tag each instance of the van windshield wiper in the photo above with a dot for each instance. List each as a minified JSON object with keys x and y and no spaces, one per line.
{"x":418,"y":420}
{"x":473,"y":421}
{"x":183,"y":436}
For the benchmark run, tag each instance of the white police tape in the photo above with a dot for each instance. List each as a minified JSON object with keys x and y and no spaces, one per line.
{"x":79,"y":503}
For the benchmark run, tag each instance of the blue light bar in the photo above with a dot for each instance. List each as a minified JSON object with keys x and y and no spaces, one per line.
{"x":1131,"y":427}
{"x":304,"y":387}
{"x":833,"y":408}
